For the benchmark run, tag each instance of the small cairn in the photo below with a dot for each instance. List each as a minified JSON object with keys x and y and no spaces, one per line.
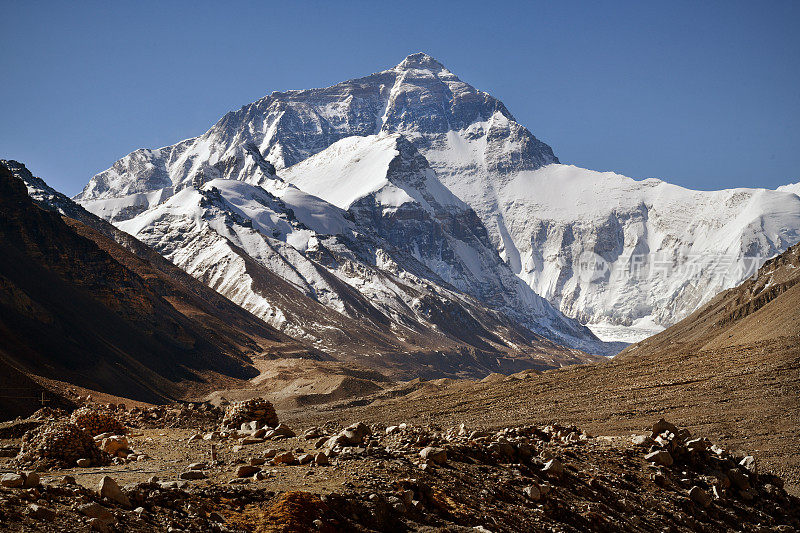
{"x":60,"y":443}
{"x":256,"y":410}
{"x":94,"y":422}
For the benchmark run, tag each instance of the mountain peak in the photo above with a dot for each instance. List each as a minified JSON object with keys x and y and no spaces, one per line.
{"x":421,"y":61}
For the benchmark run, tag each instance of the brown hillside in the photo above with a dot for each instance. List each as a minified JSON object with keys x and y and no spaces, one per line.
{"x":76,"y":307}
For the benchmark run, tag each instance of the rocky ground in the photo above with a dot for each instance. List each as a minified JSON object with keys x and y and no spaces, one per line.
{"x":197,"y":468}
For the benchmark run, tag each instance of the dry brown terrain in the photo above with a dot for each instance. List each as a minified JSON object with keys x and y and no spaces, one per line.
{"x":731,"y":371}
{"x":394,"y":478}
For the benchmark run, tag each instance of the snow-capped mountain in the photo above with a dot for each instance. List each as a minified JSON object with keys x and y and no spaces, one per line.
{"x":453,"y":336}
{"x":793,"y":188}
{"x":462,"y":147}
{"x":345,"y":264}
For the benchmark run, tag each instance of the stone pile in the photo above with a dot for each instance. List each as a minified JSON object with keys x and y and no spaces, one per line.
{"x":96,"y":421}
{"x":49,"y":413}
{"x":60,"y":444}
{"x":257,"y":412}
{"x":181,"y":415}
{"x":722,"y":474}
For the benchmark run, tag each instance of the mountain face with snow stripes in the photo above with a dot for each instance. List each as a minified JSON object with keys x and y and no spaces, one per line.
{"x":412,"y":173}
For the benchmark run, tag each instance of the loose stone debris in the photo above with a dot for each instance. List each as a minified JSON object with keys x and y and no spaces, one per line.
{"x":395,"y":477}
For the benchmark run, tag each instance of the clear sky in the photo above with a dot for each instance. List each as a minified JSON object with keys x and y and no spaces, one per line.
{"x":703,"y":94}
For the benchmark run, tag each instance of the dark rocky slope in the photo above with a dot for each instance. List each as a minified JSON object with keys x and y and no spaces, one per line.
{"x":77,"y":307}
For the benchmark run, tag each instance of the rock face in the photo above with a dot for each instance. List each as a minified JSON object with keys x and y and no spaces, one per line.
{"x":629,"y":257}
{"x":546,"y":220}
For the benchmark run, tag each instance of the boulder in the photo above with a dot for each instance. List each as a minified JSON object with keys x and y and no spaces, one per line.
{"x":739,"y":479}
{"x":532,"y":492}
{"x":282,"y":431}
{"x":313,"y":433}
{"x":97,"y":511}
{"x":12,"y":481}
{"x":108,"y":488}
{"x":699,"y":496}
{"x":192,"y":475}
{"x":305,"y":458}
{"x":283,"y":458}
{"x":354,"y":434}
{"x":434,"y":455}
{"x":40,"y":512}
{"x":320,"y":459}
{"x":660,"y":457}
{"x":31,"y":480}
{"x":553,"y":468}
{"x":503,"y":449}
{"x":112,"y":445}
{"x":661,"y":426}
{"x":749,"y":464}
{"x":246,"y":471}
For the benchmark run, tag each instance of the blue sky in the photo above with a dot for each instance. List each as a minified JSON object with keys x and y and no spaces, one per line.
{"x":703,"y":94}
